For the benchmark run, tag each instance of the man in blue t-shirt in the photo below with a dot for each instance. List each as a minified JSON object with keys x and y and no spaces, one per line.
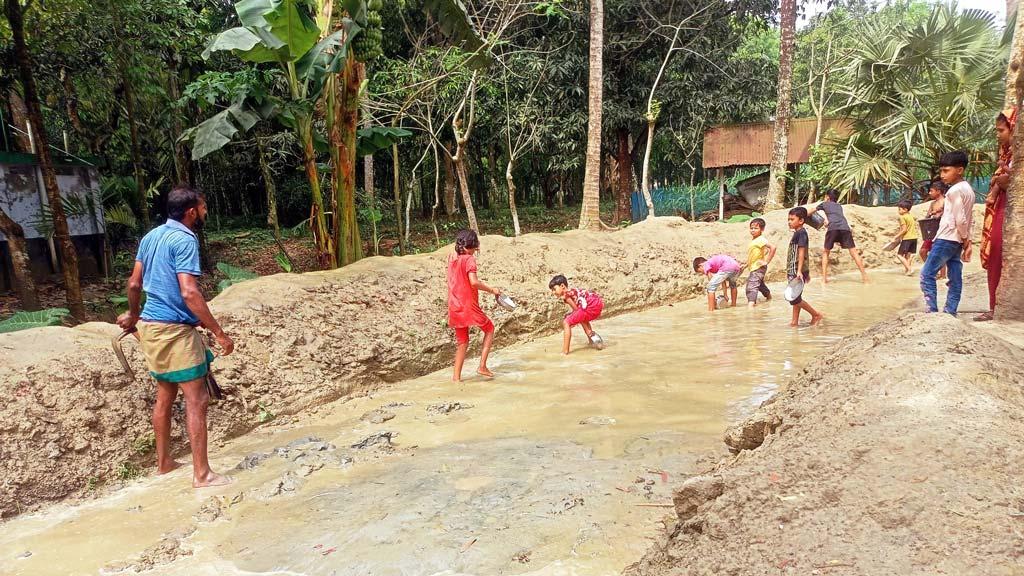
{"x":167,"y":269}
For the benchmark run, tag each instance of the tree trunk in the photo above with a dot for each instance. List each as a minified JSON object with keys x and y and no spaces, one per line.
{"x":450,"y":207}
{"x":182,"y":158}
{"x":1011,"y":284}
{"x":1015,"y":49}
{"x":136,"y":147}
{"x":24,"y":284}
{"x":348,"y":242}
{"x":467,"y":199}
{"x":645,"y":183}
{"x":271,"y":189}
{"x":511,"y":185}
{"x":19,"y":119}
{"x":623,"y":199}
{"x":397,"y":190}
{"x":71,"y":102}
{"x":721,"y":194}
{"x":35,"y":117}
{"x":368,"y":183}
{"x":780,"y":142}
{"x":590,"y":212}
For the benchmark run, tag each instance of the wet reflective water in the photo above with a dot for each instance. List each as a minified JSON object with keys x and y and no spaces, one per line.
{"x":561,"y":465}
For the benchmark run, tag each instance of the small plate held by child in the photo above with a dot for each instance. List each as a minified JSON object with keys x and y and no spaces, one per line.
{"x":891,"y":246}
{"x":505,"y":302}
{"x":596,"y":341}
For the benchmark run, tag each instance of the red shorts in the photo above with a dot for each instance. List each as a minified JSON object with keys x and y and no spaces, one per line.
{"x":589,"y":314}
{"x":927,"y":245}
{"x":462,"y":334}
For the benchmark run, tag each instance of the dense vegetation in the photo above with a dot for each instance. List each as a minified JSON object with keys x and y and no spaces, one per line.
{"x":355,"y":124}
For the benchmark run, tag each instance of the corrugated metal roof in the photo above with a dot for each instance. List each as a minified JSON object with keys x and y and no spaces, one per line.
{"x":751,"y":144}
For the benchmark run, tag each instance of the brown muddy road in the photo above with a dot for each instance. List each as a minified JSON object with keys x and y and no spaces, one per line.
{"x":561,"y":465}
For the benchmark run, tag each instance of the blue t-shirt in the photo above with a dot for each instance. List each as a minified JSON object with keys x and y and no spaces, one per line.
{"x":165,"y":252}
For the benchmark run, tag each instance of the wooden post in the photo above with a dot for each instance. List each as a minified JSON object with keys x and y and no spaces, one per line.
{"x":721,"y":194}
{"x":796,"y":185}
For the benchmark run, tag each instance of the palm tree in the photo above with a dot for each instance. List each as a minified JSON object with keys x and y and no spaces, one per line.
{"x":916,"y":91}
{"x":23,"y":60}
{"x":780,"y":142}
{"x":590,"y":213}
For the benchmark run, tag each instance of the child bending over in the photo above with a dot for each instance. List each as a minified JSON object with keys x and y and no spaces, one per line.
{"x":720,"y":269}
{"x":586,"y":307}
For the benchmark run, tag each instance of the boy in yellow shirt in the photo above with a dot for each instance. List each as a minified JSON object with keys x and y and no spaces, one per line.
{"x":759,"y":255}
{"x":908,"y":235}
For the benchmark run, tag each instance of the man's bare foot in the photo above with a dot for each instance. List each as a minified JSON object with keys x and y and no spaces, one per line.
{"x":815,"y":320}
{"x":211,"y":479}
{"x":794,"y":324}
{"x":164,"y":469}
{"x":454,"y":379}
{"x":483,"y":371}
{"x":984,"y":317}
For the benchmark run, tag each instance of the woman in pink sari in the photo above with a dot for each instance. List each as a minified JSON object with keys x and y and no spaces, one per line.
{"x":995,"y":209}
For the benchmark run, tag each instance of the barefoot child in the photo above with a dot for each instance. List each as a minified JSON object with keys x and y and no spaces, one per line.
{"x":797,"y":266}
{"x":463,"y":302}
{"x":759,"y":255}
{"x":907,"y":235}
{"x":586,"y":307}
{"x":839,"y":231}
{"x":720,"y":269}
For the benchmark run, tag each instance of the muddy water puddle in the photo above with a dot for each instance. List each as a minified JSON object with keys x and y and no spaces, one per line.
{"x":560,"y":465}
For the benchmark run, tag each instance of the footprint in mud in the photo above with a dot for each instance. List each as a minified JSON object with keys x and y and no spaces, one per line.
{"x":443,"y":408}
{"x":167,"y":550}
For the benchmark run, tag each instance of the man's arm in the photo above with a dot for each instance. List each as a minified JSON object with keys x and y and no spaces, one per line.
{"x":193,"y":298}
{"x":130,"y":318}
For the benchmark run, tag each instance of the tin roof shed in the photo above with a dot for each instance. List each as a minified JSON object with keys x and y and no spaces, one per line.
{"x":750,"y":144}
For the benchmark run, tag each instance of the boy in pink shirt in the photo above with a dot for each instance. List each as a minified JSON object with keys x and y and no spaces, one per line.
{"x":720,"y":269}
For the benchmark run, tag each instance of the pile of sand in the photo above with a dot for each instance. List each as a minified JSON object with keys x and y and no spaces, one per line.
{"x":73,"y":419}
{"x":898,"y":453}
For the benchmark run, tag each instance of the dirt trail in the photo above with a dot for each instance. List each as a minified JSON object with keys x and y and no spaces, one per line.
{"x":898,"y":453}
{"x":74,"y":422}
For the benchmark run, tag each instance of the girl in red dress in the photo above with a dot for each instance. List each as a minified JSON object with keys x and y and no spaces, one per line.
{"x":464,"y":304}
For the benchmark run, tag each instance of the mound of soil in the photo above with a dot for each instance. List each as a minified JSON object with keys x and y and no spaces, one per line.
{"x":74,"y":420}
{"x":898,"y":453}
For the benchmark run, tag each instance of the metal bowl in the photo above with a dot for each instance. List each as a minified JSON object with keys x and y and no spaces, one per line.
{"x":596,"y":341}
{"x":506,"y":302}
{"x":816,"y":221}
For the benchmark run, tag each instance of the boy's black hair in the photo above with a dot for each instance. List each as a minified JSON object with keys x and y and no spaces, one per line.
{"x":956,"y":159}
{"x":558,"y":280}
{"x":905,"y":204}
{"x":832,"y":194}
{"x":800,"y":212}
{"x":697,"y":263}
{"x":180,"y":200}
{"x":939,"y":185}
{"x":466,"y":239}
{"x":759,"y":221}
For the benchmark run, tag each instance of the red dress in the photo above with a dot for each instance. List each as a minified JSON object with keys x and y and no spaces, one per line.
{"x":463,"y":299}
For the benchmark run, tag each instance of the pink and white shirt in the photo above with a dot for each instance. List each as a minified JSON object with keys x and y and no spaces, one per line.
{"x":583,"y":297}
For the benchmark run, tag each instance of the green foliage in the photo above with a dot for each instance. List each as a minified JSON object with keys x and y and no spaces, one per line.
{"x":127,"y":471}
{"x":375,"y":138}
{"x":915,"y":90}
{"x":26,"y":320}
{"x":144,"y":444}
{"x":283,"y":261}
{"x":455,"y":23}
{"x":263,"y":414}
{"x":234,"y":275}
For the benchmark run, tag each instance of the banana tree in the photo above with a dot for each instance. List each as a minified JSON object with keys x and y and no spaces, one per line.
{"x":310,"y":42}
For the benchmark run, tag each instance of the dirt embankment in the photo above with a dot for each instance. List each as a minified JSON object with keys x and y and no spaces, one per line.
{"x":898,"y":453}
{"x":72,"y":418}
